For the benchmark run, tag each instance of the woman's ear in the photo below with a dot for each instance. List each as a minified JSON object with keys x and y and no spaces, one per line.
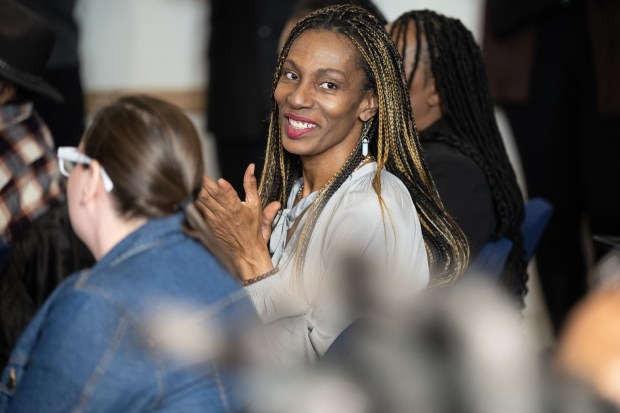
{"x":433,"y":98}
{"x":93,"y":182}
{"x":370,"y":106}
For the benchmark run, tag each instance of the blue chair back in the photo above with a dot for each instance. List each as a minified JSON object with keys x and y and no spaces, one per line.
{"x":537,"y":214}
{"x":492,"y":258}
{"x":490,"y":261}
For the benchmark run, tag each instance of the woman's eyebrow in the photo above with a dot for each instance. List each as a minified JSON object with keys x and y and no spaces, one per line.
{"x":326,"y":71}
{"x":290,"y":61}
{"x":321,"y":71}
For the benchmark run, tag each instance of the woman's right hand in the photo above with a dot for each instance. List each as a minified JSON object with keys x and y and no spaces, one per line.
{"x":241,"y":228}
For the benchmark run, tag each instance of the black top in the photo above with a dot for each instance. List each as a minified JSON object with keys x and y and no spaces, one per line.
{"x":461,"y":184}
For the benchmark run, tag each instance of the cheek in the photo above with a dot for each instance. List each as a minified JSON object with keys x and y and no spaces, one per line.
{"x":73,"y":202}
{"x":71,"y":186}
{"x":280,"y":94}
{"x":417,"y":95}
{"x":343,"y":113}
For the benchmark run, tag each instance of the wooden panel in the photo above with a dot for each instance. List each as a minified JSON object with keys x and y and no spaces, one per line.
{"x":189,"y":100}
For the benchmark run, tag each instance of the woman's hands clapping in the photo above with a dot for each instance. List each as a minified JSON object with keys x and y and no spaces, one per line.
{"x":240,"y":228}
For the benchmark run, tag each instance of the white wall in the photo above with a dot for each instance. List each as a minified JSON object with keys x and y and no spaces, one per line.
{"x":468,"y":11}
{"x":142,"y":44}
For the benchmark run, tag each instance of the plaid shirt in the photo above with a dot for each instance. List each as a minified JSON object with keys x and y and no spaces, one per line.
{"x":29,"y":174}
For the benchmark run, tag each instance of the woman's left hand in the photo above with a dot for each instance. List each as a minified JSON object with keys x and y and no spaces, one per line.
{"x":239,"y":226}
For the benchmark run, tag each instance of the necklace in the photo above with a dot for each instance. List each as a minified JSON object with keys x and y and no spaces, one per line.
{"x":367,"y":159}
{"x":298,"y":196}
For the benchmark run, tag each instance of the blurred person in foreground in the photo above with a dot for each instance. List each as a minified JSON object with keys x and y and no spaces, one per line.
{"x":29,"y":177}
{"x":144,"y":328}
{"x":460,"y":139}
{"x":440,"y":355}
{"x":343,"y":161}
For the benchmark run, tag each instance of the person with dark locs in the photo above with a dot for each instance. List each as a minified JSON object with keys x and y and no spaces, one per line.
{"x":460,"y":138}
{"x":344,"y":161}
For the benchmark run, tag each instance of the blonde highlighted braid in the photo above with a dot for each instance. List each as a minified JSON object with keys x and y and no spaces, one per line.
{"x":394,"y":143}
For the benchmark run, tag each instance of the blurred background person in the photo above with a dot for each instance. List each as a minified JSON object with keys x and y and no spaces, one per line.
{"x":460,"y":139}
{"x":344,"y":171}
{"x":553,"y":68}
{"x":29,"y":177}
{"x":144,"y":327}
{"x":242,"y":54}
{"x":65,"y":119}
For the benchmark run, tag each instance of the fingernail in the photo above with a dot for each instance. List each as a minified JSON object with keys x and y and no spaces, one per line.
{"x":252,"y":166}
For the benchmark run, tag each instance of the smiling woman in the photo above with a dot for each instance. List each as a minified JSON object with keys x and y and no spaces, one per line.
{"x":322,"y":102}
{"x":343,"y":158}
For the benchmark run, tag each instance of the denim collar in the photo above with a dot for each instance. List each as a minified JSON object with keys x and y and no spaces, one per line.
{"x":144,"y":238}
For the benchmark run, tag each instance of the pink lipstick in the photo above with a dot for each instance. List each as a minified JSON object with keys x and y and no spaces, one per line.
{"x":298,"y":126}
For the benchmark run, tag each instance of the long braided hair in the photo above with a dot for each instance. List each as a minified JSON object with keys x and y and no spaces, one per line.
{"x":304,"y":7}
{"x":394,"y":142}
{"x":456,"y":64}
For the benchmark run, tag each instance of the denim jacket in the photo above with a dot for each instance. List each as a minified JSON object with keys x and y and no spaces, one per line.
{"x":94,"y":345}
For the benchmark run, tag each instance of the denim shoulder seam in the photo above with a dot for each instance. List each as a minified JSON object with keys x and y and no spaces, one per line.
{"x":82,"y":278}
{"x":131,"y":321}
{"x":134,"y":251}
{"x":104,"y":362}
{"x":220,"y":388}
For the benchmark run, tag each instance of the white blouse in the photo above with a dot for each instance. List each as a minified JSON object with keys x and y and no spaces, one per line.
{"x":307,"y":310}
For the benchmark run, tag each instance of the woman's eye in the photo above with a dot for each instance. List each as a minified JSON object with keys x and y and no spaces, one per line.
{"x":328,"y":85}
{"x":290,"y":75}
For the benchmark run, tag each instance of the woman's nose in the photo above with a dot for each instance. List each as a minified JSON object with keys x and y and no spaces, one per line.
{"x":301,"y":95}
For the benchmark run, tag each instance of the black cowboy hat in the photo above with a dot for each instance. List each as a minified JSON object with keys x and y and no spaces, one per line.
{"x":26,"y":42}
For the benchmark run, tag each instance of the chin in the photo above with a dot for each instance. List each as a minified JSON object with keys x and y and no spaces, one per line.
{"x":294,"y":147}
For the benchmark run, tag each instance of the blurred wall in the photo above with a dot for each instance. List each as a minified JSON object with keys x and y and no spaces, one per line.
{"x":155,"y":46}
{"x":159,"y":45}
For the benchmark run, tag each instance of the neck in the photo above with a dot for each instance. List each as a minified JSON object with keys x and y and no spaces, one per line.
{"x":110,"y":230}
{"x":317,"y":170}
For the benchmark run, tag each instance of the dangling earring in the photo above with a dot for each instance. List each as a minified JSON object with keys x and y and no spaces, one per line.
{"x":365,"y":138}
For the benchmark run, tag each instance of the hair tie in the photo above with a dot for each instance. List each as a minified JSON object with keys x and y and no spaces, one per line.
{"x":183,"y":204}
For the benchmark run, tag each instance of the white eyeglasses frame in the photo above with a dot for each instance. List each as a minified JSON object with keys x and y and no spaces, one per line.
{"x":71,"y":154}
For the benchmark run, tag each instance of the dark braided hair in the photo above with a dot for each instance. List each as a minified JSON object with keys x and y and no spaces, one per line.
{"x":394,"y":143}
{"x":304,"y":7}
{"x":455,"y":62}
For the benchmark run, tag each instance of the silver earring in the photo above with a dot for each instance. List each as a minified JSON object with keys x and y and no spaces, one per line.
{"x":365,"y":138}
